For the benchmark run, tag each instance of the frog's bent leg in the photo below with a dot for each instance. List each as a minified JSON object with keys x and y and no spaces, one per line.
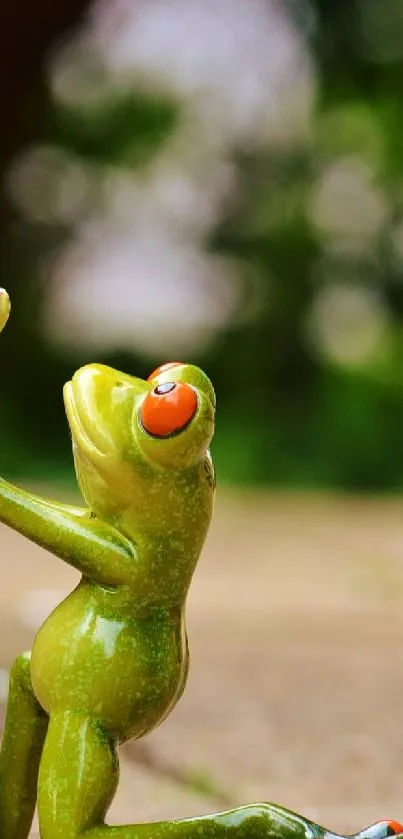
{"x":24,"y":735}
{"x":78,"y":778}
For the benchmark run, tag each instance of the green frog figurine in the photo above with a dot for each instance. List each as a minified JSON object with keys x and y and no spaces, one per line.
{"x":111,"y":661}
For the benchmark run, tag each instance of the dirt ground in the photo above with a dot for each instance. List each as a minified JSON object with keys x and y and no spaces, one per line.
{"x":295,"y":693}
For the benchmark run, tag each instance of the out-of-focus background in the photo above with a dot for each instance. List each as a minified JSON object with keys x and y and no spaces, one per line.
{"x":222,"y":182}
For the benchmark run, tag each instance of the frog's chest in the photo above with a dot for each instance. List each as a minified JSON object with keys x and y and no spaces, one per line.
{"x":125,"y":672}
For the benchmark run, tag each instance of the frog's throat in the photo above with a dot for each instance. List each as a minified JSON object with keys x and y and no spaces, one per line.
{"x":80,"y":433}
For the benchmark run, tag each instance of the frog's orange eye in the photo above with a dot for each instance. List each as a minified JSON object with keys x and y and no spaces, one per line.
{"x":168,"y":409}
{"x":163,"y":368}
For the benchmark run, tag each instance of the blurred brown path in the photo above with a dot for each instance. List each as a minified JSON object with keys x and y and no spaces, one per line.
{"x":295,"y":692}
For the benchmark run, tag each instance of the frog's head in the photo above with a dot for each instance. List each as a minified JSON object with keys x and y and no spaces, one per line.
{"x":141,"y":448}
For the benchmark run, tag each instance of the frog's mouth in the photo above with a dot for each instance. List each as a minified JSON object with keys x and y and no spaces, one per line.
{"x":80,"y":433}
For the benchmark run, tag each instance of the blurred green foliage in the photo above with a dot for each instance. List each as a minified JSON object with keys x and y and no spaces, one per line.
{"x":289,"y":414}
{"x":124,"y":132}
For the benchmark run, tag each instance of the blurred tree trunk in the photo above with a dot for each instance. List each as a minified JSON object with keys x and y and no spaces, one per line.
{"x":28,"y":30}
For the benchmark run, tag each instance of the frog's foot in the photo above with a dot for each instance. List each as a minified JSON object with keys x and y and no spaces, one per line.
{"x":380,"y":830}
{"x":24,"y":735}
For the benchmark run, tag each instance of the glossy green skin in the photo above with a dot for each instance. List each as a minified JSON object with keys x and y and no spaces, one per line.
{"x":116,"y":648}
{"x":111,"y":662}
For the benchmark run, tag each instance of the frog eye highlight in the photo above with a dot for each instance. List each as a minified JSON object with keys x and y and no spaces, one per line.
{"x":164,"y":368}
{"x":168,"y":409}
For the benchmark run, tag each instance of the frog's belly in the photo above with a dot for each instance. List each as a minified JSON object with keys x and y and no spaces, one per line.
{"x":127,"y":674}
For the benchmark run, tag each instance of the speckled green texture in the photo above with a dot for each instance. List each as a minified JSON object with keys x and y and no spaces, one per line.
{"x":111,"y":661}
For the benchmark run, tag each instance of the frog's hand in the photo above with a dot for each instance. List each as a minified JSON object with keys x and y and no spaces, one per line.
{"x":95,"y":548}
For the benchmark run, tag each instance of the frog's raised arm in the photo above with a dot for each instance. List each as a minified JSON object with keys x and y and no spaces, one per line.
{"x":91,"y":546}
{"x":94,"y":547}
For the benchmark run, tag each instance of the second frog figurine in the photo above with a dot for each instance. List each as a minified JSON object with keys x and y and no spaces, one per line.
{"x":111,"y":661}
